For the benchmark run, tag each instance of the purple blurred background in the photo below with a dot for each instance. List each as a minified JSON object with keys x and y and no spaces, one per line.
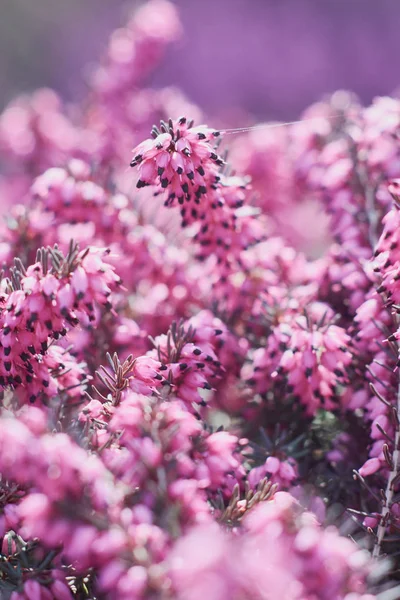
{"x":271,"y":58}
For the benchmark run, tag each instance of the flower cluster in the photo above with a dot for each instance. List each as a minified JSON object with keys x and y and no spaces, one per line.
{"x":310,"y":357}
{"x":180,"y":158}
{"x":38,"y":306}
{"x":269,"y":561}
{"x":199,"y":355}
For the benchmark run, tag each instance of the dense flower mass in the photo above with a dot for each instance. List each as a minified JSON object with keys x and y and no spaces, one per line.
{"x":180,"y":158}
{"x":199,"y":361}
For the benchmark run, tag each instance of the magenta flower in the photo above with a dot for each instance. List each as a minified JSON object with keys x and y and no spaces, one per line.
{"x":181,"y":159}
{"x":311,"y":356}
{"x":195,"y":374}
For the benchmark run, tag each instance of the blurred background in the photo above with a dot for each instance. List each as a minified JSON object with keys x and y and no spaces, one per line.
{"x":269,"y":58}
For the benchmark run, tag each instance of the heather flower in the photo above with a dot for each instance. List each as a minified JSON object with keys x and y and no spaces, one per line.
{"x":263,"y":154}
{"x":281,"y":472}
{"x":39,"y":305}
{"x":254,"y":562}
{"x":229,"y":369}
{"x":346,"y":279}
{"x":311,"y":356}
{"x":179,"y":158}
{"x":379,"y":359}
{"x":35,"y":134}
{"x":134,"y":50}
{"x":353,"y":168}
{"x":58,"y":589}
{"x":64,"y":473}
{"x":73,"y":203}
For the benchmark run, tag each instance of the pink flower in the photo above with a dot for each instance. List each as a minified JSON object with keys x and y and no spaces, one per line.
{"x":312,"y":358}
{"x":371,"y":466}
{"x":180,"y":158}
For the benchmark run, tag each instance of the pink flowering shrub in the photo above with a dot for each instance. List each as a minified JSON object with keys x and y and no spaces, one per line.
{"x":199,"y":352}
